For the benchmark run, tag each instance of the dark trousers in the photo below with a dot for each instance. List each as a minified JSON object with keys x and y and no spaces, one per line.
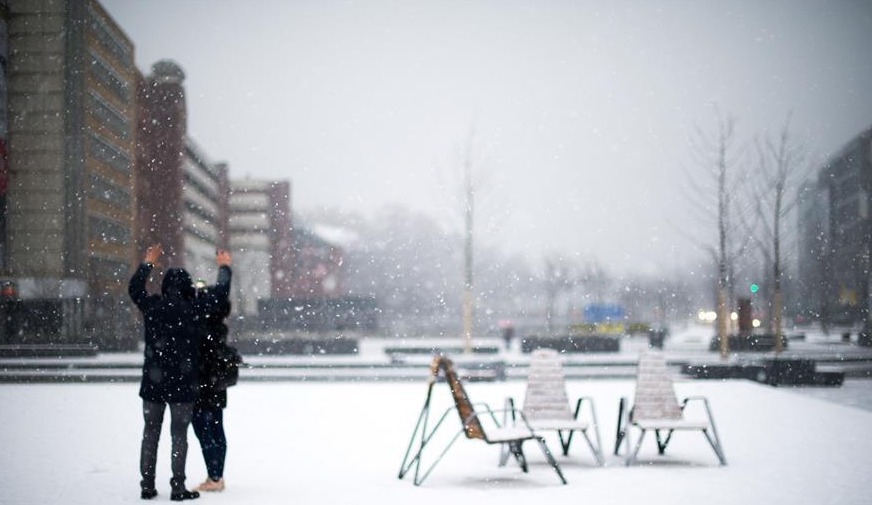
{"x":180,"y":418}
{"x":209,"y":427}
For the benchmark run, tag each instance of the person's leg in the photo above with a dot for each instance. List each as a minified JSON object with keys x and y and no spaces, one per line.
{"x":220,"y":444}
{"x":200,"y":422}
{"x":209,"y":427}
{"x":180,"y":416}
{"x":152,"y":414}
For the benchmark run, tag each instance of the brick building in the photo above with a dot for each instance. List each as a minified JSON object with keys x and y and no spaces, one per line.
{"x":318,"y":267}
{"x":182,"y":196}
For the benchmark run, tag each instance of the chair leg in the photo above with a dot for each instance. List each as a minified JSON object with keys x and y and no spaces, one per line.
{"x":719,"y":452}
{"x":565,"y":442}
{"x":661,"y":442}
{"x":596,"y":432}
{"x":632,"y":457}
{"x":518,"y":452}
{"x":596,"y":449}
{"x":420,"y":428}
{"x":621,"y":431}
{"x":505,"y":452}
{"x":550,"y":458}
{"x":712,"y":436}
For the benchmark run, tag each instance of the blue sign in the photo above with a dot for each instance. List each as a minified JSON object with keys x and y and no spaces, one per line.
{"x":600,"y":313}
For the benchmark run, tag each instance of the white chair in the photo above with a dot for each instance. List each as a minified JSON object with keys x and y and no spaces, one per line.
{"x":656,"y":408}
{"x":547,"y":407}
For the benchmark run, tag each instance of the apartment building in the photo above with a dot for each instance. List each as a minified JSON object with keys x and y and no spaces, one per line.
{"x":71,"y":97}
{"x":259,"y":229}
{"x":835,"y":239}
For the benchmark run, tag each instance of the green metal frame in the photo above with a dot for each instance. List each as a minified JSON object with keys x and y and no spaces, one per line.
{"x":470,"y":426}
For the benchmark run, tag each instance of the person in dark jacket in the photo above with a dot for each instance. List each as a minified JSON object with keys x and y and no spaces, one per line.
{"x":208,"y":418}
{"x":170,"y":369}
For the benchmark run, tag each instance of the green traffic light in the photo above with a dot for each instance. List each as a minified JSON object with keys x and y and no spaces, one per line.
{"x":754,"y":288}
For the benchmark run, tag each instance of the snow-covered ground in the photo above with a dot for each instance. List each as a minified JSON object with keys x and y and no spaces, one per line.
{"x":319,"y":443}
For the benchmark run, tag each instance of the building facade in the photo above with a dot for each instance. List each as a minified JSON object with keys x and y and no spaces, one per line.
{"x":847,"y":182}
{"x":812,"y":231}
{"x":182,"y":196}
{"x":71,"y":96}
{"x":4,"y":126}
{"x":260,"y":228}
{"x":836,"y":235}
{"x":96,"y":165}
{"x":317,"y":266}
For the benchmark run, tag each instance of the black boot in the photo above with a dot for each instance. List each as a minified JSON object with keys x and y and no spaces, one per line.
{"x":148,"y":490}
{"x":184,"y":495}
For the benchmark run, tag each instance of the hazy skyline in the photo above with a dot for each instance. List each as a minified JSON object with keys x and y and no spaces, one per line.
{"x":583,"y":109}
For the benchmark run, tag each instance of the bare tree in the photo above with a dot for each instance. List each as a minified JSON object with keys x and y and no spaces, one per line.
{"x":474,"y":179}
{"x":718,"y":157}
{"x":781,"y":167}
{"x":596,"y":280}
{"x":560,"y":275}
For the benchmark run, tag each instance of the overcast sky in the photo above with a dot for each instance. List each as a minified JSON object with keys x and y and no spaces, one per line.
{"x":582,"y":111}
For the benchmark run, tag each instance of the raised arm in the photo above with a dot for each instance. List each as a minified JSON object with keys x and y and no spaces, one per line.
{"x":222,"y":285}
{"x":136,"y":287}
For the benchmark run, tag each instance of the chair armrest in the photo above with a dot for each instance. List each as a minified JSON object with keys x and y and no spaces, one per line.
{"x":708,"y":410}
{"x":516,"y":416}
{"x":486,"y":409}
{"x":594,"y":421}
{"x":686,"y":401}
{"x":580,"y":402}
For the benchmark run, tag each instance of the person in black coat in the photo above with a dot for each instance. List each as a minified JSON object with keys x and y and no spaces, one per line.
{"x":170,"y":369}
{"x":208,"y":418}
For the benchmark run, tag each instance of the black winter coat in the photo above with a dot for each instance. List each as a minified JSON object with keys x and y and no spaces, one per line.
{"x":173,"y":330}
{"x":214,"y":339}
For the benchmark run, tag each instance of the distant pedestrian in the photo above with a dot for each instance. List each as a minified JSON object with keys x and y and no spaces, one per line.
{"x":170,"y":366}
{"x":508,"y":333}
{"x":208,"y":418}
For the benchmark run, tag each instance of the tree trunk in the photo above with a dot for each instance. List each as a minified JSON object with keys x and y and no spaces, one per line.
{"x":723,"y":342}
{"x":468,"y":277}
{"x":777,"y":305}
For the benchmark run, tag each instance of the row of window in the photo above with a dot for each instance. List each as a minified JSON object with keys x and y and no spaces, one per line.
{"x":108,"y":39}
{"x":109,"y":154}
{"x":104,"y":268}
{"x":199,"y":184}
{"x":194,"y":230}
{"x":106,"y":190}
{"x":200,"y":212}
{"x":117,"y":84}
{"x":199,"y":160}
{"x":108,"y":232}
{"x":109,"y":115}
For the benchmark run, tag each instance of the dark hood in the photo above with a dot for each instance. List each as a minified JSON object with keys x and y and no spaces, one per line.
{"x":177,"y":281}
